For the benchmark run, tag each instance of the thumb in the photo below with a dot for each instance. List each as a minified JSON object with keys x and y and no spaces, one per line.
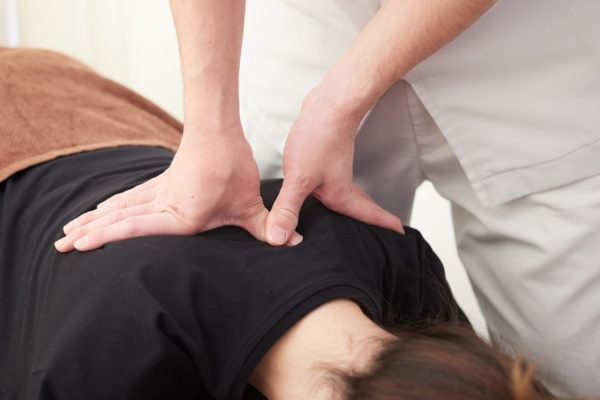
{"x":283,"y":218}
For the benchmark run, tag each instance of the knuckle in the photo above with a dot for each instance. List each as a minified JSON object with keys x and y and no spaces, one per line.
{"x":113,"y":199}
{"x":78,"y":232}
{"x":288,"y":212}
{"x":130,"y":226}
{"x":121,"y":202}
{"x":84,"y":218}
{"x":287,"y":216}
{"x":77,"y":221}
{"x":117,"y":216}
{"x":176,"y":212}
{"x":95,"y":238}
{"x":300,"y":180}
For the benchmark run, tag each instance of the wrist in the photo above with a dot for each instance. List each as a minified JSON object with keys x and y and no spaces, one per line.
{"x":347,"y":96}
{"x":212,"y":117}
{"x":212,"y":109}
{"x":337,"y":105}
{"x":212,"y":124}
{"x":213,"y":130}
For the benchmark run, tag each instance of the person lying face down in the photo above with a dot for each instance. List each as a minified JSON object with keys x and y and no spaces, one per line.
{"x":354,"y":311}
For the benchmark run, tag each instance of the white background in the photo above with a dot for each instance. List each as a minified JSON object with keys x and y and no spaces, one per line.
{"x":8,"y":23}
{"x":134,"y":43}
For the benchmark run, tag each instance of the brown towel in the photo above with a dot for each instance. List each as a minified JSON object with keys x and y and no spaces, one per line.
{"x":52,"y":105}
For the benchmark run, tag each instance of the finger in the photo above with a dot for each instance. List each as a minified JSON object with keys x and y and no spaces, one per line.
{"x":117,"y":198}
{"x":67,"y":243}
{"x":126,"y":199}
{"x":358,"y":205}
{"x":283,"y":218}
{"x":122,"y":202}
{"x":136,"y":195}
{"x":295,"y":239}
{"x":82,"y":220}
{"x":113,"y":217}
{"x":141,"y":225}
{"x":257,"y":225}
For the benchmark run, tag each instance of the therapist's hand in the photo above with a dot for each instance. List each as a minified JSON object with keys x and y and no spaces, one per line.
{"x":210,"y":183}
{"x":319,"y":150}
{"x":317,"y":160}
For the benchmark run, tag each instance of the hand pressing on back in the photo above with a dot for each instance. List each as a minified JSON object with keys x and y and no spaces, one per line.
{"x":317,"y":160}
{"x":210,"y":183}
{"x":213,"y":179}
{"x":319,"y":149}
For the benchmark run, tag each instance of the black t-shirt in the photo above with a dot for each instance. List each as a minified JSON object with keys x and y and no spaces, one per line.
{"x":178,"y":316}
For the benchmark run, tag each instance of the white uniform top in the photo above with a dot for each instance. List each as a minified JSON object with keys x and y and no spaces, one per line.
{"x":517,"y":95}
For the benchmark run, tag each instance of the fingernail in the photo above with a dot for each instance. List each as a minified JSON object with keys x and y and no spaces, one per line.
{"x":60,"y":243}
{"x":81,"y":242}
{"x":295,"y":239}
{"x":277,"y":235}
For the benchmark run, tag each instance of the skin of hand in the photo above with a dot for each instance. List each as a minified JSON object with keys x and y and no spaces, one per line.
{"x":178,"y":201}
{"x":319,"y":149}
{"x":213,"y":179}
{"x":319,"y":161}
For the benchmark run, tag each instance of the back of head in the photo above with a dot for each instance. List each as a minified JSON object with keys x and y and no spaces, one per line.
{"x":445,"y":362}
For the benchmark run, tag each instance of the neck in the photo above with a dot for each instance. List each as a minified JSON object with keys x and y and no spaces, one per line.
{"x":305,"y":363}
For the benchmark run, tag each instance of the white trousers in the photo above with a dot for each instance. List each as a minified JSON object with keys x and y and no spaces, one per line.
{"x":534,"y":262}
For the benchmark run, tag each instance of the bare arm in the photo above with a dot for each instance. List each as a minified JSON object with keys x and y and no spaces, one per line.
{"x":213,"y":179}
{"x":401,"y":34}
{"x":209,"y":33}
{"x":319,"y":150}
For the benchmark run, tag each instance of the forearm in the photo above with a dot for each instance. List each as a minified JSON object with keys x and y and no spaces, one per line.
{"x":209,"y":33}
{"x":400,"y":35}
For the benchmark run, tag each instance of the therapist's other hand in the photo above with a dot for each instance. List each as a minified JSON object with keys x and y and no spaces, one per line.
{"x":317,"y":159}
{"x":210,"y":183}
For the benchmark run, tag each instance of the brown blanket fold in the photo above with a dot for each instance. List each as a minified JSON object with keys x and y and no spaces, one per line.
{"x":52,"y":105}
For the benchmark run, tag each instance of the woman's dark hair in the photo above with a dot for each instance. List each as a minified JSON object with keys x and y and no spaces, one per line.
{"x":447,"y":362}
